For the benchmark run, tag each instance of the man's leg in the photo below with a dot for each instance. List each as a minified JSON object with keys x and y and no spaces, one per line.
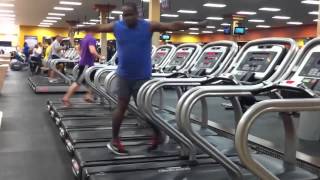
{"x":72,"y":89}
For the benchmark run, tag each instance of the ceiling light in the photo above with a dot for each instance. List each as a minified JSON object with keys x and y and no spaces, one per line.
{"x":40,"y":25}
{"x":117,"y":12}
{"x":191,"y":22}
{"x":211,"y":27}
{"x":214,"y":5}
{"x":316,"y":20}
{"x":7,"y":15}
{"x":270,"y":9}
{"x":225,"y":24}
{"x":71,"y":3}
{"x":89,"y":23}
{"x":246,"y":13}
{"x":311,"y":2}
{"x":63,"y":8}
{"x":314,"y":12}
{"x":187,"y":11}
{"x":281,"y":17}
{"x":194,"y":33}
{"x":6,"y":11}
{"x":7,"y":19}
{"x":94,"y":20}
{"x":170,"y":15}
{"x":45,"y":23}
{"x":256,"y":20}
{"x":220,"y":30}
{"x":6,"y":5}
{"x":145,"y":0}
{"x":263,"y":26}
{"x":57,"y":18}
{"x":56,"y":14}
{"x":80,"y":25}
{"x":182,"y":30}
{"x":207,"y":32}
{"x":295,"y":23}
{"x":110,"y":17}
{"x":48,"y":20}
{"x":215,"y":18}
{"x":169,"y":32}
{"x":194,"y":29}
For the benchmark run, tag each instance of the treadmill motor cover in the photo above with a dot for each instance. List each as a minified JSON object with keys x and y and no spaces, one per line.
{"x":160,"y":55}
{"x":257,"y":61}
{"x":208,"y":60}
{"x":181,"y":56}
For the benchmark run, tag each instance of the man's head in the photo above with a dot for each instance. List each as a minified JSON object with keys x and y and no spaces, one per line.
{"x":130,"y":14}
{"x":59,"y":38}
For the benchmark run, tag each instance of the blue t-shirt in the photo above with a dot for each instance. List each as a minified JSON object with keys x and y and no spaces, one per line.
{"x":134,"y":50}
{"x":87,"y":59}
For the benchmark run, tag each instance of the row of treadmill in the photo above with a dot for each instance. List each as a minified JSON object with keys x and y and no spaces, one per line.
{"x":271,"y":68}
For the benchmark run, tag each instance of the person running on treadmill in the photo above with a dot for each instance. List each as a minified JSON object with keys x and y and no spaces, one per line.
{"x":88,"y":53}
{"x":56,"y":49}
{"x":134,"y":39}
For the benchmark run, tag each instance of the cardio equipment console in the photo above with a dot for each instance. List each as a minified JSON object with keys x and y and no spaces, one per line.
{"x":161,"y":55}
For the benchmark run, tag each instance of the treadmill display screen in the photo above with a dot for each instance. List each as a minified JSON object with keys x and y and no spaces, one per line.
{"x":180,"y":57}
{"x":208,"y":60}
{"x":160,"y":55}
{"x":312,"y":68}
{"x":257,"y":61}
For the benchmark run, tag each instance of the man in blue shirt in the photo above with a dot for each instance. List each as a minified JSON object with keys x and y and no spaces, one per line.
{"x":134,"y":39}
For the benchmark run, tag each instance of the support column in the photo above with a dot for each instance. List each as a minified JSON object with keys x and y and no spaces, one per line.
{"x":72,"y":23}
{"x":104,"y":10}
{"x":154,"y":15}
{"x":318,"y":22}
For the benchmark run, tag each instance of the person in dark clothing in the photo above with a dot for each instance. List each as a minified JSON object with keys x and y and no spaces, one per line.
{"x":26,"y":51}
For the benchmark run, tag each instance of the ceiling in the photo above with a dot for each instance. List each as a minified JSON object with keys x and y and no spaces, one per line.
{"x":32,"y":12}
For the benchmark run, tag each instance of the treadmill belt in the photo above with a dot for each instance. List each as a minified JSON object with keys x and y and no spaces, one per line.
{"x":76,"y":124}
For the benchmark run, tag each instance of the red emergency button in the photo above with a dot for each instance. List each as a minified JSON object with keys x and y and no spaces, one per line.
{"x":290,"y":81}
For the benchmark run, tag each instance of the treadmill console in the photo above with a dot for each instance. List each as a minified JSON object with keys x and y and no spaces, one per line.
{"x":312,"y":67}
{"x":258,"y":62}
{"x":160,"y":55}
{"x":181,"y":56}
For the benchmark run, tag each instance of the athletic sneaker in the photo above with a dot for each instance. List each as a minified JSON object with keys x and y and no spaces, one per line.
{"x":156,"y":141}
{"x":116,"y":147}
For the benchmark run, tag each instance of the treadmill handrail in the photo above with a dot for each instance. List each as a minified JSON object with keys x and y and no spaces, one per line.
{"x":251,"y":115}
{"x":87,"y":74}
{"x":53,"y":66}
{"x":285,"y":62}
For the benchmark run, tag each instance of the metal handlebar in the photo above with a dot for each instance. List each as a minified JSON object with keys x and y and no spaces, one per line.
{"x":247,"y":120}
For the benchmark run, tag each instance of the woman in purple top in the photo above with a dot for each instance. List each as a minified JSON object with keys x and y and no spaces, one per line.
{"x":88,"y":53}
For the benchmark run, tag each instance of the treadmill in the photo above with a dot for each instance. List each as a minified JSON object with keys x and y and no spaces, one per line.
{"x":76,"y":135}
{"x":41,"y":84}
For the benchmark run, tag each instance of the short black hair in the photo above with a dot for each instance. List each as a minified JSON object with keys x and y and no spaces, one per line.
{"x":131,"y":5}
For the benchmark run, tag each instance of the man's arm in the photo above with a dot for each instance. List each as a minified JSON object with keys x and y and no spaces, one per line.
{"x":94,"y":52}
{"x":96,"y":28}
{"x":175,"y":26}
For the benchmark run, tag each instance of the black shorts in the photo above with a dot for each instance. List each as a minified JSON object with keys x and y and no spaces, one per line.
{"x":81,"y":75}
{"x":125,"y":88}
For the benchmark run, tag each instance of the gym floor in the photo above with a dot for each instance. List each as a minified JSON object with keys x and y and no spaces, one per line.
{"x":30,"y":147}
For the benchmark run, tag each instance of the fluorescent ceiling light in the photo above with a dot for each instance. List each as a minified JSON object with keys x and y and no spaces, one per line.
{"x":70,"y":3}
{"x":117,"y":12}
{"x":169,"y":32}
{"x":110,"y":17}
{"x":191,"y":22}
{"x":311,"y":2}
{"x":56,"y":14}
{"x":40,"y":25}
{"x":94,"y":20}
{"x":246,"y":13}
{"x":314,"y":12}
{"x":145,"y":0}
{"x":225,"y":24}
{"x":256,"y":20}
{"x":170,"y":15}
{"x":63,"y":8}
{"x":215,"y":18}
{"x":187,"y":11}
{"x":147,"y":19}
{"x":89,"y":23}
{"x":295,"y":23}
{"x":44,"y":23}
{"x":6,"y":11}
{"x":207,"y":32}
{"x":211,"y":27}
{"x":6,"y":5}
{"x":80,"y":25}
{"x":50,"y":21}
{"x":281,"y":17}
{"x":194,"y":29}
{"x":220,"y":30}
{"x":270,"y":9}
{"x":263,"y":26}
{"x":57,"y":18}
{"x":7,"y":19}
{"x":7,"y":15}
{"x":216,"y":5}
{"x":194,"y":33}
{"x":182,"y":30}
